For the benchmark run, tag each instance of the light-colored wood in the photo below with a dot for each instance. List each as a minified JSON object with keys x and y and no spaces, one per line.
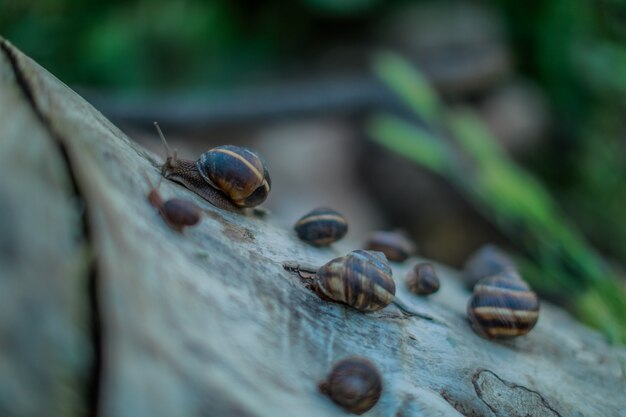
{"x":45,"y":348}
{"x":208,"y":323}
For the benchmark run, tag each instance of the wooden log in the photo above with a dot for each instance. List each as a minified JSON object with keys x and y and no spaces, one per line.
{"x":107,"y":311}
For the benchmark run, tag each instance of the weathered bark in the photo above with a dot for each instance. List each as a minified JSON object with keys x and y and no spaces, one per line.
{"x":105,"y":310}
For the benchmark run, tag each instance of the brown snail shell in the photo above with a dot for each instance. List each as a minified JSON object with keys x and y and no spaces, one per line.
{"x":238,"y":172}
{"x":396,"y":246}
{"x":487,"y":261}
{"x":229,"y":177}
{"x":180,"y":213}
{"x":503,"y":306}
{"x":360,"y":279}
{"x":321,"y":227}
{"x":422,"y":279}
{"x":176,"y":212}
{"x":354,"y":384}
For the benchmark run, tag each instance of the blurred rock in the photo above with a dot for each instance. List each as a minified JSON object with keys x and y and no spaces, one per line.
{"x":442,"y":223}
{"x":517,"y":114}
{"x":460,"y":46}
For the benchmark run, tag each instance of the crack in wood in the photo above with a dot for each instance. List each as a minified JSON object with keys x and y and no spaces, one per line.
{"x":507,"y":399}
{"x":94,"y":383}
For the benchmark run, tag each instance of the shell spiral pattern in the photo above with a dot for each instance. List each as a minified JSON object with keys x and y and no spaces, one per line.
{"x":238,"y":172}
{"x":503,"y":306}
{"x":321,"y":227}
{"x":359,"y":280}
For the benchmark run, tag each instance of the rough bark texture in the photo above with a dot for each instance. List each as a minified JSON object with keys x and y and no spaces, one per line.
{"x":106,"y":311}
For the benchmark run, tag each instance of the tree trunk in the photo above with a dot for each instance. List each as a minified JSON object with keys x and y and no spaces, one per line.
{"x":107,"y":311}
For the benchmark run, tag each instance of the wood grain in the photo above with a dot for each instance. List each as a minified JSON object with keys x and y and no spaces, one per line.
{"x":208,"y":323}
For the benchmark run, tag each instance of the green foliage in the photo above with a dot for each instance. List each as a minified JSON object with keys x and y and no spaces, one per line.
{"x":151,"y":44}
{"x":410,"y":85}
{"x":459,"y":147}
{"x":576,"y":50}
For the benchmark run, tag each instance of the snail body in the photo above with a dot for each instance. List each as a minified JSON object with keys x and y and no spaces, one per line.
{"x":396,"y":246}
{"x":229,"y":177}
{"x":422,"y":279}
{"x":321,"y":227}
{"x":354,"y":384}
{"x":503,"y":306}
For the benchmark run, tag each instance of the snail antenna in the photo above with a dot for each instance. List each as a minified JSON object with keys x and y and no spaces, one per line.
{"x":170,"y":161}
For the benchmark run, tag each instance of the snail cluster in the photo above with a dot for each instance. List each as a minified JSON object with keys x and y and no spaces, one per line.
{"x":502,"y":304}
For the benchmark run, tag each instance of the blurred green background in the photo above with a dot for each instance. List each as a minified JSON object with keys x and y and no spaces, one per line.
{"x":566,"y":197}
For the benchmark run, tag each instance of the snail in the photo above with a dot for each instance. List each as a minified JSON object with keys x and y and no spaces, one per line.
{"x":321,"y":227}
{"x":176,"y":212}
{"x":422,"y":279}
{"x":361,"y":279}
{"x":503,"y":306}
{"x":486,"y":261}
{"x":229,"y":177}
{"x":354,"y":384}
{"x":396,"y":246}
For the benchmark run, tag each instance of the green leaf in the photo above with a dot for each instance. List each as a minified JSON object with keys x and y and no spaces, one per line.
{"x":409,"y":141}
{"x":409,"y":85}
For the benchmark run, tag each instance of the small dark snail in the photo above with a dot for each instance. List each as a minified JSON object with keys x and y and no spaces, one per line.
{"x":396,"y":246}
{"x":422,"y":279}
{"x":176,"y":212}
{"x":486,"y":261}
{"x":354,"y":384}
{"x":361,"y":279}
{"x":321,"y":227}
{"x":503,"y":306}
{"x":229,"y":177}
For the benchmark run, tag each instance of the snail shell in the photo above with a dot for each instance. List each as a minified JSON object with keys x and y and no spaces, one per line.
{"x":395,"y":245}
{"x":238,"y":172}
{"x":503,"y":306}
{"x":321,"y":227}
{"x":422,"y":279}
{"x":176,"y":212}
{"x":360,"y":279}
{"x":487,"y":261}
{"x":180,"y":213}
{"x":229,"y":177}
{"x":354,"y":384}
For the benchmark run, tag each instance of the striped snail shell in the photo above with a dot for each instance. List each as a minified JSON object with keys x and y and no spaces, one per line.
{"x":229,"y":177}
{"x":487,"y":261}
{"x":360,"y":279}
{"x":396,"y":246}
{"x":238,"y":172}
{"x":354,"y":384}
{"x":321,"y":227}
{"x":503,"y":306}
{"x":377,"y":258}
{"x":422,"y":279}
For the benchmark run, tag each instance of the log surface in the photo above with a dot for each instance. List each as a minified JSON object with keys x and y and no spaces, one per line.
{"x":107,"y":311}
